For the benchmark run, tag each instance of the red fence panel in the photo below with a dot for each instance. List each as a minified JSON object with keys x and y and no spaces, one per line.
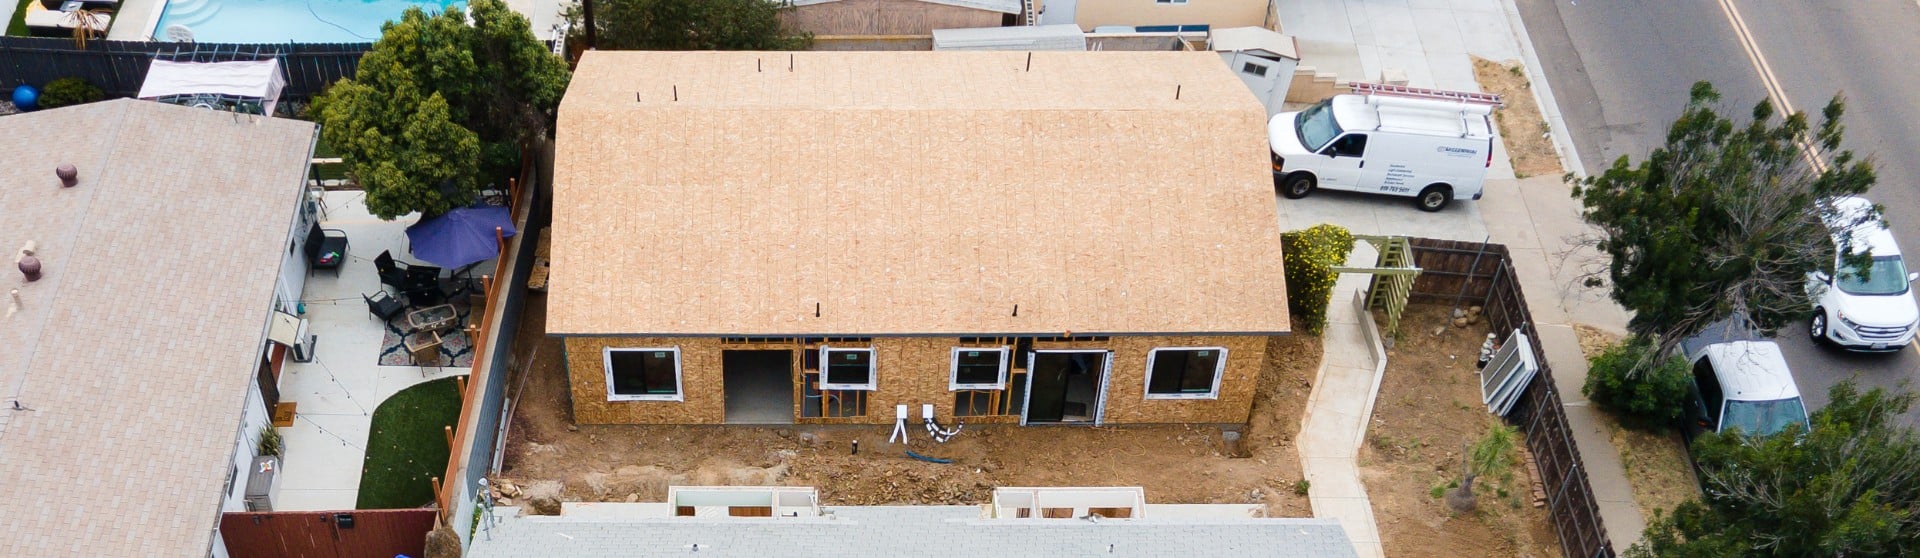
{"x":327,"y":534}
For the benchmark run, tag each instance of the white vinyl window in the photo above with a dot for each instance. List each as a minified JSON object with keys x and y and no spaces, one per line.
{"x":1185,"y":372}
{"x":978,"y":368}
{"x":846,"y":369}
{"x":650,"y":374}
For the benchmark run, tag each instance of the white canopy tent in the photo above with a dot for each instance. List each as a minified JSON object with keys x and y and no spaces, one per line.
{"x":248,"y":79}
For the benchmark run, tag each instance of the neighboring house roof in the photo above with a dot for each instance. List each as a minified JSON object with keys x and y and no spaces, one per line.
{"x":912,"y":193}
{"x":1065,"y":36}
{"x":1001,"y":6}
{"x":134,"y":352}
{"x":1253,"y":38}
{"x":911,"y":531}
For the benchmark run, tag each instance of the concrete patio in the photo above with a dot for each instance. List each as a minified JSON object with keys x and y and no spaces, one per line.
{"x":339,"y":390}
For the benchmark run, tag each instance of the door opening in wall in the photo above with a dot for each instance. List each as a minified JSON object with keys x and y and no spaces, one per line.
{"x":759,"y":386}
{"x":1066,"y":387}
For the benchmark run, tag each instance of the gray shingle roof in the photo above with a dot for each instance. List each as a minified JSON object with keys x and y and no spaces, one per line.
{"x":911,"y":531}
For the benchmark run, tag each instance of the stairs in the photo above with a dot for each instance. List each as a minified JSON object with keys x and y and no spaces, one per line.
{"x":190,"y":12}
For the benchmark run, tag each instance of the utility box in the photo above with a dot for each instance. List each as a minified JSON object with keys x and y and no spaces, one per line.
{"x":263,"y":479}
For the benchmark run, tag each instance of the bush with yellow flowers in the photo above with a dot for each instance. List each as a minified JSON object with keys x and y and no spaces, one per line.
{"x":1310,"y":256}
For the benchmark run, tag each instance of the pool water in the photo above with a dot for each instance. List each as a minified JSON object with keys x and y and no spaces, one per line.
{"x":288,"y":21}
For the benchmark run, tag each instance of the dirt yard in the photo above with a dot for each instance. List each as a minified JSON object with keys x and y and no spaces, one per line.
{"x":1657,"y":464}
{"x":547,"y":453}
{"x":1524,"y":130}
{"x":1428,"y":409}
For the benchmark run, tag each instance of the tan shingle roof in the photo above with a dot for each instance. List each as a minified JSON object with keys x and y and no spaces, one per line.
{"x":135,"y":351}
{"x":919,"y":192}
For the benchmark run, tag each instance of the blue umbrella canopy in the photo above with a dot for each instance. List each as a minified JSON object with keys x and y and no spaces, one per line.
{"x":460,"y":237}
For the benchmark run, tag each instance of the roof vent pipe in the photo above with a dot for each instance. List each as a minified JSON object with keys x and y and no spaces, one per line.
{"x":30,"y":267}
{"x":69,"y":176}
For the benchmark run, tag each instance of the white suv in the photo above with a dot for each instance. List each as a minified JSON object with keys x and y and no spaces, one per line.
{"x":1870,"y":309}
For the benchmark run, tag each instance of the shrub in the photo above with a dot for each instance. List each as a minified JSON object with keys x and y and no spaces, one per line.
{"x":69,"y":91}
{"x":1631,"y":381}
{"x":1310,"y":256}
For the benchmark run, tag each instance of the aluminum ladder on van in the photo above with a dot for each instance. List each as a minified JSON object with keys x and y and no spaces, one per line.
{"x":1467,"y":97}
{"x":1483,"y":103}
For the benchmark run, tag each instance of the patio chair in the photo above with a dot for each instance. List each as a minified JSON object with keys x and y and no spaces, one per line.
{"x":425,"y":349}
{"x":384,"y":305}
{"x":392,"y":273}
{"x":423,"y":286}
{"x":326,"y":249}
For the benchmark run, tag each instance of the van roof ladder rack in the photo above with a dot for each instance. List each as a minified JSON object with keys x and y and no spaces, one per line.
{"x":1364,"y":88}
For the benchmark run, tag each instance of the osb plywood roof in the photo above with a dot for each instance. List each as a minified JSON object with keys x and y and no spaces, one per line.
{"x":135,"y":350}
{"x":703,"y":193}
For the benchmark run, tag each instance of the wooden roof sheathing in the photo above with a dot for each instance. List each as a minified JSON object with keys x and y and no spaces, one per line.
{"x":720,"y":193}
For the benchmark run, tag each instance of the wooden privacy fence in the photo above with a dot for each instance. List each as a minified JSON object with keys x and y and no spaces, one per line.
{"x":118,"y":67}
{"x":1473,"y":273}
{"x":326,"y":534}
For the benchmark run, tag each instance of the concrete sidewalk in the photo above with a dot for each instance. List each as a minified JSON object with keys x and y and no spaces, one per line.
{"x":1431,"y":41}
{"x":1338,"y":411}
{"x":1540,"y":223}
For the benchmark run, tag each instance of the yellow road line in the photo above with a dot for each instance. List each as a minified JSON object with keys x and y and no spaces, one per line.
{"x":1774,"y":92}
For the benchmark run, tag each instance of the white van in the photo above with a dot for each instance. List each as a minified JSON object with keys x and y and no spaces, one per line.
{"x":1870,"y":309}
{"x":1432,"y":145}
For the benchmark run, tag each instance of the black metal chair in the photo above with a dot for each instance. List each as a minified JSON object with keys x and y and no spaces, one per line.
{"x":326,"y":249}
{"x":423,"y":286}
{"x":384,"y":305}
{"x":392,"y":273}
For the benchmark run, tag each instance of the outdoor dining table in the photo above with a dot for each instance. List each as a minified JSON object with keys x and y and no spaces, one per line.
{"x":433,"y":318}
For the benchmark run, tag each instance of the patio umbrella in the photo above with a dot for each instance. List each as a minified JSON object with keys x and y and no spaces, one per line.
{"x":460,"y":237}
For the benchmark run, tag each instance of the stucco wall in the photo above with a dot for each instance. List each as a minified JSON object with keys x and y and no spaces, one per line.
{"x":885,"y":17}
{"x":910,"y":371}
{"x":1217,"y":13}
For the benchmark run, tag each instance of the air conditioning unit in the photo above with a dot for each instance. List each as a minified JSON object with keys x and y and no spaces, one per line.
{"x":291,"y":331}
{"x":263,"y":479}
{"x":304,"y":343}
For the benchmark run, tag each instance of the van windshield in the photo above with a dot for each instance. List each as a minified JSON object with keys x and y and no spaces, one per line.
{"x":1316,"y":127}
{"x":1886,"y":276}
{"x":1763,"y":418}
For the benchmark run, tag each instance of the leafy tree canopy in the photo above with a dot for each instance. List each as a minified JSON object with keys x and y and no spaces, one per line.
{"x":439,"y":107}
{"x":1725,"y":220}
{"x":689,"y":25}
{"x":1847,"y":486}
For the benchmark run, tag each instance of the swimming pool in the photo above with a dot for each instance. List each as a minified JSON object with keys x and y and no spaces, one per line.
{"x":288,"y":21}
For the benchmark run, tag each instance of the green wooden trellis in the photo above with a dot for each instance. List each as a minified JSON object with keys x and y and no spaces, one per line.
{"x":1393,"y":274}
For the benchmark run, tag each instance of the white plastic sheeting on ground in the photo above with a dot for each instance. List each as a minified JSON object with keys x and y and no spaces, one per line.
{"x":259,"y":79}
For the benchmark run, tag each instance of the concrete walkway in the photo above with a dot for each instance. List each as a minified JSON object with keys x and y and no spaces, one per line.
{"x":1537,"y":218}
{"x":1337,"y":414}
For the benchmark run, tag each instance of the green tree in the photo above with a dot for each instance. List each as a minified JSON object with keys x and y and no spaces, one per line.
{"x":440,"y":107}
{"x":1654,"y":398}
{"x":1847,"y":486}
{"x":689,"y":25}
{"x":1724,"y":221}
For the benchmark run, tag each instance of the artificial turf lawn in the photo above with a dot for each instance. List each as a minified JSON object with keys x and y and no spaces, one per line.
{"x":407,"y":446}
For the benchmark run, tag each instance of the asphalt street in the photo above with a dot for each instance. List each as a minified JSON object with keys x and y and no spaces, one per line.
{"x":1620,"y":72}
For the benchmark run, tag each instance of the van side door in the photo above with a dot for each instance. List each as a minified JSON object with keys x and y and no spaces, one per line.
{"x":1390,"y":169}
{"x":1340,"y":162}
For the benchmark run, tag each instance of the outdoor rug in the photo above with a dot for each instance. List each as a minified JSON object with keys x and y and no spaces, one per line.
{"x":455,"y":349}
